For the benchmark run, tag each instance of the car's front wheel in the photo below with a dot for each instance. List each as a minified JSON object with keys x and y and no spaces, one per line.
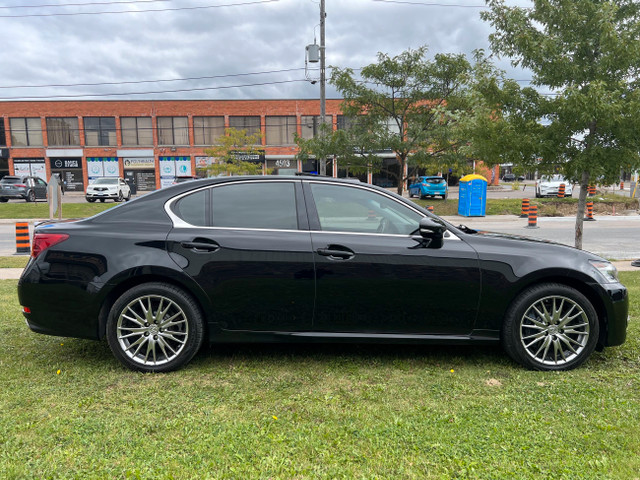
{"x":550,"y":327}
{"x":120,"y":196}
{"x":155,"y":327}
{"x":31,"y":196}
{"x":91,"y":200}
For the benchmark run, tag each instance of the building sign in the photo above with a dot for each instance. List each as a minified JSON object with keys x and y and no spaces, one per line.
{"x":248,"y":157}
{"x":139,"y":163}
{"x":65,"y":163}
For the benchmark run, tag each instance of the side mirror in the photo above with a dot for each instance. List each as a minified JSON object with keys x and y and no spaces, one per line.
{"x":432,"y":232}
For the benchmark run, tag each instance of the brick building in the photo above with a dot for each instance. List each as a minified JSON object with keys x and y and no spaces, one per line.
{"x":150,"y":142}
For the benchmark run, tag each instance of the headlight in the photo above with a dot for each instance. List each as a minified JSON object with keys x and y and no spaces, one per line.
{"x":606,"y":269}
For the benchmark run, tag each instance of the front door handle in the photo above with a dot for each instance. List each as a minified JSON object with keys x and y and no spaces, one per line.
{"x":201,"y":246}
{"x":336,"y":252}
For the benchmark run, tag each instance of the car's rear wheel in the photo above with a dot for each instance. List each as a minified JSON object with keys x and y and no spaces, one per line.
{"x":155,"y":327}
{"x":550,"y":327}
{"x":128,"y":197}
{"x":3,"y":200}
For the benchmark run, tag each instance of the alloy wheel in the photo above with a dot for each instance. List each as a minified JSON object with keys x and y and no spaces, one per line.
{"x":554,"y":330}
{"x":152,"y":330}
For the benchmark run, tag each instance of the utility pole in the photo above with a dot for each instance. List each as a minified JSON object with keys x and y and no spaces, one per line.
{"x":323,"y":161}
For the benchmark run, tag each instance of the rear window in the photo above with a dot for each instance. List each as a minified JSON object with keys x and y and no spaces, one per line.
{"x":435,"y":180}
{"x":11,"y":180}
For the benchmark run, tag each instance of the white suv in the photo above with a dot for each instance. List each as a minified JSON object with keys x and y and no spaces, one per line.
{"x":103,"y":188}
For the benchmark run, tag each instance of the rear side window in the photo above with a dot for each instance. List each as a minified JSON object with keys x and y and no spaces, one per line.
{"x":193,"y":208}
{"x":269,"y":205}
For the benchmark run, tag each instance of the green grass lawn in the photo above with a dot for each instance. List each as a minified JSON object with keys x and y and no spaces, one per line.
{"x":70,"y":411}
{"x":41,"y":209}
{"x":17,"y":261}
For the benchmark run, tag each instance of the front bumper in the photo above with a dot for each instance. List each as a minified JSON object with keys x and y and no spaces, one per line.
{"x":108,"y":195}
{"x":616,"y":304}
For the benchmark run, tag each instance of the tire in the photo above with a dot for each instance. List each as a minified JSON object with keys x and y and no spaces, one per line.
{"x":31,"y":196}
{"x":145,"y":340}
{"x":4,"y":200}
{"x":91,"y":200}
{"x":445,"y":196}
{"x":102,"y":200}
{"x":120,"y":196}
{"x":550,"y":327}
{"x":128,"y":197}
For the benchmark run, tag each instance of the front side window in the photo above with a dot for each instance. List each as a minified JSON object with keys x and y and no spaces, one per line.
{"x":255,"y":205}
{"x":63,"y":131}
{"x":173,"y":131}
{"x":280,"y":130}
{"x":136,"y":131}
{"x":100,"y":131}
{"x":26,"y":132}
{"x":342,"y":208}
{"x":250,"y":124}
{"x":207,"y":130}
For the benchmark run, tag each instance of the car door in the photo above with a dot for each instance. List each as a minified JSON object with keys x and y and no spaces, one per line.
{"x":40,"y":188}
{"x":374,"y":275}
{"x":248,"y":245}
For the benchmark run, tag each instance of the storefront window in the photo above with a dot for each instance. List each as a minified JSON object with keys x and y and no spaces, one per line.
{"x":136,"y":131}
{"x":3,"y":138}
{"x":173,"y":131}
{"x":100,"y":131}
{"x":280,"y":130}
{"x":26,"y":132}
{"x":63,"y":131}
{"x":207,"y":130}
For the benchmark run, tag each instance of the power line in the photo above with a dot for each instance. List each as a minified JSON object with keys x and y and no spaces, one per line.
{"x":53,"y":5}
{"x":430,"y":4}
{"x":138,"y":11}
{"x":155,"y":81}
{"x":42,"y":97}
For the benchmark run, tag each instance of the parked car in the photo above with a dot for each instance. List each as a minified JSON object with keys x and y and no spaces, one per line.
{"x":509,"y":177}
{"x":549,"y":185}
{"x":429,"y":187}
{"x":311,"y":259}
{"x":27,"y":188}
{"x":183,"y":178}
{"x":108,"y":188}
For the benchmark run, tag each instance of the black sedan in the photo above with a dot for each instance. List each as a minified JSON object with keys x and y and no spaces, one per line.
{"x":310,"y":259}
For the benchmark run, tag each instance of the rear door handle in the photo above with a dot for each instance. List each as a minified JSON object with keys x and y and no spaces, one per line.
{"x":336,"y":252}
{"x":200,"y":246}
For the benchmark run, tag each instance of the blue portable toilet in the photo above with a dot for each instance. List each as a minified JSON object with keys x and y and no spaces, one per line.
{"x":472,"y":200}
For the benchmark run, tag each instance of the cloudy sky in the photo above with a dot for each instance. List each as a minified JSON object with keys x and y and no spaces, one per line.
{"x":214,"y":49}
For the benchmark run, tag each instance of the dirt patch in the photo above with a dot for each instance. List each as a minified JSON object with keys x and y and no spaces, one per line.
{"x":563,"y":209}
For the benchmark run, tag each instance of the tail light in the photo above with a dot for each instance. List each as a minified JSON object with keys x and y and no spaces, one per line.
{"x":19,"y":185}
{"x":42,"y":241}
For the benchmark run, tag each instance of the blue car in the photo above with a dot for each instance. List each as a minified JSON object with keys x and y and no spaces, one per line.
{"x":429,"y":187}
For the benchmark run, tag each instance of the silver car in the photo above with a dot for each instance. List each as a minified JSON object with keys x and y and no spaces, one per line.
{"x":22,"y":187}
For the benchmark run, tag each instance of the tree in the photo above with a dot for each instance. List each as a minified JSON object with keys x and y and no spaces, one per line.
{"x":233,"y":152}
{"x":409,"y":105}
{"x":587,"y":54}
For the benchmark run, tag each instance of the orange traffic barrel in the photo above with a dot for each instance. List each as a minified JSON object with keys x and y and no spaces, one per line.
{"x":533,"y":217}
{"x":525,"y":208}
{"x":591,"y":190}
{"x":23,"y":243}
{"x":561,"y":189}
{"x":430,"y":208}
{"x":621,"y":185}
{"x":589,"y":216}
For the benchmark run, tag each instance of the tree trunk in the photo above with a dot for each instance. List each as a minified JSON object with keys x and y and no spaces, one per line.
{"x":401,"y":162}
{"x":582,"y":201}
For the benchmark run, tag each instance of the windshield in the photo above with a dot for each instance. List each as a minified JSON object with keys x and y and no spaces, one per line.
{"x":106,"y":181}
